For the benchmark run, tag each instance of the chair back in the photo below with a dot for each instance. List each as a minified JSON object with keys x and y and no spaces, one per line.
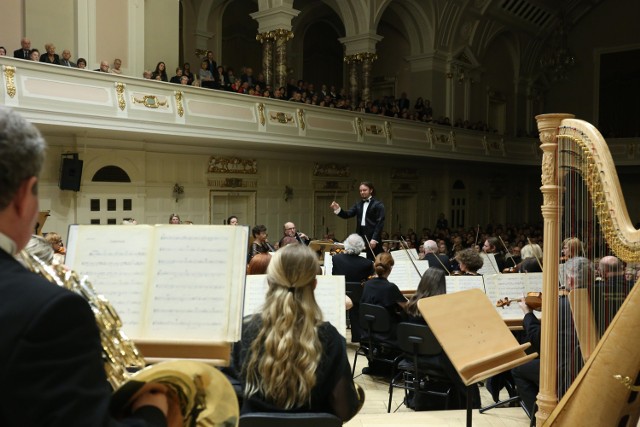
{"x":417,"y":339}
{"x":374,"y":318}
{"x":286,"y":419}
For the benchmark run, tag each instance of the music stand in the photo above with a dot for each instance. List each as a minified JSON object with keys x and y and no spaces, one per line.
{"x":474,"y":336}
{"x":324,"y":245}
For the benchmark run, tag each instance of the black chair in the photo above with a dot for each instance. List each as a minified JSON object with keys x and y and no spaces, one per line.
{"x":375,"y":319}
{"x":413,"y":371}
{"x":354,"y":291}
{"x":287,"y":419}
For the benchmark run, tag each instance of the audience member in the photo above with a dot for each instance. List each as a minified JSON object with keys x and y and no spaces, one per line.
{"x":289,"y":359}
{"x":232,"y":220}
{"x":104,"y":67}
{"x":81,"y":63}
{"x":117,"y":67}
{"x":50,"y":57}
{"x":146,"y":74}
{"x":35,"y":55}
{"x":3,"y":51}
{"x":206,"y":78}
{"x":174,"y":219}
{"x":66,"y":59}
{"x":178,"y":77}
{"x":160,"y":73}
{"x":25,"y":50}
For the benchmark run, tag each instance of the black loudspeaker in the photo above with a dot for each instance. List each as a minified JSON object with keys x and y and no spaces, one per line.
{"x":70,"y":174}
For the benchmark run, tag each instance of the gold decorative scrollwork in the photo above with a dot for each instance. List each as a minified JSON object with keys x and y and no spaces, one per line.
{"x":374,"y":129}
{"x":122,"y":103}
{"x":359,"y":57}
{"x":261,"y":113}
{"x":387,"y":129}
{"x":178,"y":95}
{"x":201,"y":52}
{"x":301,"y":118}
{"x":281,"y":33}
{"x":331,"y":170}
{"x":9,"y":76}
{"x":150,"y":101}
{"x":280,"y":117}
{"x":219,"y":164}
{"x":359,"y":126}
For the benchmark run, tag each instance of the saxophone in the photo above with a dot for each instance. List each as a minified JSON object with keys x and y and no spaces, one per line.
{"x":199,"y":394}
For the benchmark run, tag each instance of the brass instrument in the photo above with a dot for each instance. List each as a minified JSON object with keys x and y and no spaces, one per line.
{"x":200,"y":395}
{"x":576,"y":157}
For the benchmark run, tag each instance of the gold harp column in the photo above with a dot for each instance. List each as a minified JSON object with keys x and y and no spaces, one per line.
{"x":352,"y":61}
{"x":367,"y":59}
{"x":266,"y":39}
{"x":281,"y":37}
{"x":547,"y":398}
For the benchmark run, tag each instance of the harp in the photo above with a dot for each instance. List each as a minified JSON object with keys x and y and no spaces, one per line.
{"x":582,"y":198}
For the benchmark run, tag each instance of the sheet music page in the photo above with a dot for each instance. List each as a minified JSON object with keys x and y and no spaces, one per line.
{"x":255,"y":292}
{"x":513,"y":286}
{"x":328,"y":263}
{"x":192,"y":295}
{"x":405,"y":276}
{"x":116,"y":258}
{"x":463,"y":283}
{"x":402,"y":255}
{"x":489,"y":264}
{"x":329,"y":293}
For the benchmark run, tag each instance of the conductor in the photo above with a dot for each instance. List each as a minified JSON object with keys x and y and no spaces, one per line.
{"x":369,"y":213}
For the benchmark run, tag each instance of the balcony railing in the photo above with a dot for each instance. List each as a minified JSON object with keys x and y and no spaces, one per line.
{"x":77,"y":101}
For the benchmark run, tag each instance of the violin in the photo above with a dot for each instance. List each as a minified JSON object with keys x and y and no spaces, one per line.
{"x":532,"y":299}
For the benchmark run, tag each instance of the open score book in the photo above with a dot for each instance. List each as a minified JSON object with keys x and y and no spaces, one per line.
{"x":166,"y":282}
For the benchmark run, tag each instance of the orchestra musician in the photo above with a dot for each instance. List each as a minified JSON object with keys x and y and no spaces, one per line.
{"x":531,"y":260}
{"x":355,"y":269}
{"x":469,"y":262}
{"x":435,"y":259}
{"x":51,"y":356}
{"x":579,"y":273}
{"x":290,"y":230}
{"x":260,"y":243}
{"x":289,"y":359}
{"x":491,"y":247}
{"x":370,"y":214}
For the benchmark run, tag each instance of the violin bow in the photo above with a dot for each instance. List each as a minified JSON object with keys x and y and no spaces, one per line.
{"x":369,"y":246}
{"x":405,"y":246}
{"x":507,"y":251}
{"x":537,"y":259}
{"x":477,"y":234}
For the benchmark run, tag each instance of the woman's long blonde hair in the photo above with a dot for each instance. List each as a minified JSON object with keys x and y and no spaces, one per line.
{"x":286,"y":353}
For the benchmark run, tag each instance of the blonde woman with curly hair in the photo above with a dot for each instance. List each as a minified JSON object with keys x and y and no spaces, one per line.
{"x":289,"y":359}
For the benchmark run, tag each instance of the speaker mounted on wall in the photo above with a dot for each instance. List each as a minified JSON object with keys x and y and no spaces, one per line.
{"x":70,"y":172}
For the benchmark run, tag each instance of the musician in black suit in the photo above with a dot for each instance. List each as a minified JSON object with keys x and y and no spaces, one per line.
{"x":356,"y":270}
{"x":290,"y":230}
{"x":25,"y":50}
{"x":435,"y":259}
{"x":50,"y":353}
{"x":369,"y":213}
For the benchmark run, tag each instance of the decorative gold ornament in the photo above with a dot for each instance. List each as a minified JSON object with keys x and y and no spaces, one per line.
{"x":219,"y":164}
{"x":281,"y":33}
{"x":301,"y":118}
{"x":9,"y":74}
{"x":122,"y":103}
{"x":150,"y":101}
{"x":374,"y":129}
{"x":201,"y":52}
{"x":359,"y":126}
{"x":283,"y":118}
{"x":261,"y":113}
{"x":387,"y":129}
{"x":178,"y":95}
{"x":331,"y":170}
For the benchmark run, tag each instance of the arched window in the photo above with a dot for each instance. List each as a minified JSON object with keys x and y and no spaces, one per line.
{"x":111,"y":174}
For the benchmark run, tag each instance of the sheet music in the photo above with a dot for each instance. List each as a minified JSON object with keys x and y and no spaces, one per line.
{"x":405,"y":276}
{"x":116,"y":260}
{"x":167,"y":282}
{"x":489,"y":264}
{"x":402,"y":255}
{"x":463,"y":283}
{"x":513,"y":286}
{"x":191,"y":282}
{"x":329,"y":293}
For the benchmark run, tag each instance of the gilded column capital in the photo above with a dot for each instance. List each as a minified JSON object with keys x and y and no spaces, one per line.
{"x":266,"y":36}
{"x":367,"y":56}
{"x":351,"y":58}
{"x":281,"y":33}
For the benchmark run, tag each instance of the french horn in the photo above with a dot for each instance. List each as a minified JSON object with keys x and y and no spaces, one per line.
{"x":199,"y":394}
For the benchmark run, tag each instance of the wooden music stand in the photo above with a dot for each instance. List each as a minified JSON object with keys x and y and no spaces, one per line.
{"x":324,"y":245}
{"x":474,"y":336}
{"x":216,"y":354}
